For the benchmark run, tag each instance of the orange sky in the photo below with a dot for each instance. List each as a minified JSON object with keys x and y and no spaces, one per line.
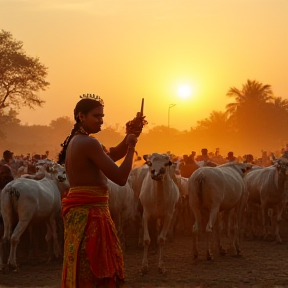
{"x":129,"y":49}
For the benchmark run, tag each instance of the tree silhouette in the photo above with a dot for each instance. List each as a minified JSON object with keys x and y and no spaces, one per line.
{"x":251,"y":95}
{"x":254,"y":113}
{"x":21,"y":76}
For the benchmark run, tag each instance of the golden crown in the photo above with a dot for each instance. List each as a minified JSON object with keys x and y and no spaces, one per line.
{"x":93,"y":97}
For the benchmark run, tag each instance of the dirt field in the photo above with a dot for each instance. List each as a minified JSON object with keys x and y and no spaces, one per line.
{"x":263,"y":265}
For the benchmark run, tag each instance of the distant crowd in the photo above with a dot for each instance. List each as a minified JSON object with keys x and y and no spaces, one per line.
{"x":28,"y":160}
{"x":15,"y":162}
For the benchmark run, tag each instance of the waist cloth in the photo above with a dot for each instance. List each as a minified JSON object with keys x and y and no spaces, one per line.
{"x":92,"y":251}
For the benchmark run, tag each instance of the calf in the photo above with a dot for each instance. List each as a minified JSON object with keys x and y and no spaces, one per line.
{"x":159,"y":195}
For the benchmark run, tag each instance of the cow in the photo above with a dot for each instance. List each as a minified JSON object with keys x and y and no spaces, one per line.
{"x":122,"y":208}
{"x":6,"y":176}
{"x":266,"y":188}
{"x":135,"y":180}
{"x":181,"y":220}
{"x":214,"y":190}
{"x":31,"y":201}
{"x":159,"y":195}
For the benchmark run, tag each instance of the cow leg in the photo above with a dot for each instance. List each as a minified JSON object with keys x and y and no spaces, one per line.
{"x":196,"y":230}
{"x":218,"y":233}
{"x":254,"y":220}
{"x":208,"y":238}
{"x":15,"y":238}
{"x":140,"y":235}
{"x":173,"y":224}
{"x":5,"y":240}
{"x":146,"y":243}
{"x":161,"y":268}
{"x":237,"y":236}
{"x":162,"y":240}
{"x":264,"y":215}
{"x":187,"y":218}
{"x":233,"y":232}
{"x":52,"y":233}
{"x":139,"y":223}
{"x":195,"y":235}
{"x":49,"y":241}
{"x":209,"y":229}
{"x":4,"y":250}
{"x":279,"y":212}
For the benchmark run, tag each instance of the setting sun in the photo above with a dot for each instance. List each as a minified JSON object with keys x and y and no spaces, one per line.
{"x":184,"y":91}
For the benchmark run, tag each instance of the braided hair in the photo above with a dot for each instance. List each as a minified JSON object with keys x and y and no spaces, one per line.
{"x":85,"y":105}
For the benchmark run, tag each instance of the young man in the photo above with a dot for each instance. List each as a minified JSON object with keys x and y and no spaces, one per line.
{"x":92,"y":252}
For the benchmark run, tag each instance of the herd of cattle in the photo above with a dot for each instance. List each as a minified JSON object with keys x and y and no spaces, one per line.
{"x":233,"y":199}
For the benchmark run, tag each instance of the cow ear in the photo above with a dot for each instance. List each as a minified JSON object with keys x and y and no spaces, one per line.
{"x":148,"y":163}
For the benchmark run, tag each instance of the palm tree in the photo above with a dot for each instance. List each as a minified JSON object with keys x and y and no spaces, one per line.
{"x":215,"y":130}
{"x":251,"y":95}
{"x":251,"y":112}
{"x":216,"y":121}
{"x":280,"y":104}
{"x":279,"y":117}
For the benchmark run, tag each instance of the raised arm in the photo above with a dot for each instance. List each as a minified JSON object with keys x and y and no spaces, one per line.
{"x":118,"y":152}
{"x":117,"y":174}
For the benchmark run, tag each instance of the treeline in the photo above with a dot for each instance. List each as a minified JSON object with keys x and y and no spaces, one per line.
{"x":255,"y":120}
{"x":210,"y":133}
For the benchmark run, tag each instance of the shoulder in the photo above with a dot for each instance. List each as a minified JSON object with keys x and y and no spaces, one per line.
{"x":85,"y":144}
{"x":84,"y":140}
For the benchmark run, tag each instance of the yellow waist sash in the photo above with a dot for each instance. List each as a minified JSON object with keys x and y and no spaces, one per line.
{"x":91,"y":248}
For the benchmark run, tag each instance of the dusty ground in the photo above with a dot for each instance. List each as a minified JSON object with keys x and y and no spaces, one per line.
{"x":264,"y":264}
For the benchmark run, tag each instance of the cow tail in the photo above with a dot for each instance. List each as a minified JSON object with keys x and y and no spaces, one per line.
{"x":11,"y":195}
{"x":199,"y":186}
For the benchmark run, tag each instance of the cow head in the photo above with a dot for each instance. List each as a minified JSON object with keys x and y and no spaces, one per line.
{"x":282,"y":168}
{"x":157,"y":165}
{"x":244,"y":167}
{"x":61,"y":176}
{"x":58,"y":172}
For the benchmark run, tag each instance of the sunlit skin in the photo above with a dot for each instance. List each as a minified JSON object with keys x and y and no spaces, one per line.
{"x":184,"y":91}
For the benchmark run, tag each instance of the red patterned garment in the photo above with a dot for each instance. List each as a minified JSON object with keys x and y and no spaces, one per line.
{"x":92,"y":251}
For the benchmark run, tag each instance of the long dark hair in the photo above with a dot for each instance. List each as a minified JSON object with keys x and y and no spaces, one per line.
{"x":85,"y":105}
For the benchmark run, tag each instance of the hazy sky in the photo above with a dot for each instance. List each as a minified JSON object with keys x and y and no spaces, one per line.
{"x":132,"y":49}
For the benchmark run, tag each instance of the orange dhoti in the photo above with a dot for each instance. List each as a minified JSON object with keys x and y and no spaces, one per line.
{"x":92,"y":251}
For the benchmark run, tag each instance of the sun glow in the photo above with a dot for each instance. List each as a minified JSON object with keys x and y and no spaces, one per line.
{"x":184,"y":91}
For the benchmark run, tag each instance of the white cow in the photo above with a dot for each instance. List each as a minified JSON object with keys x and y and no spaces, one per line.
{"x":159,"y":195}
{"x":182,"y":220}
{"x":266,"y":188}
{"x":213,"y":190}
{"x":31,"y":201}
{"x":122,"y":208}
{"x":135,"y":180}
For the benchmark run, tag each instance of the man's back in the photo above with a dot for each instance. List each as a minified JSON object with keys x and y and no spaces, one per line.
{"x":83,"y":172}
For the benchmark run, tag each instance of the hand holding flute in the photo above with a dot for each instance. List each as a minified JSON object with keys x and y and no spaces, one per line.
{"x":135,"y":126}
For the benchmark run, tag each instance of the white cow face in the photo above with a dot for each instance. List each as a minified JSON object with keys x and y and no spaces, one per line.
{"x":58,"y":172}
{"x":157,"y":165}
